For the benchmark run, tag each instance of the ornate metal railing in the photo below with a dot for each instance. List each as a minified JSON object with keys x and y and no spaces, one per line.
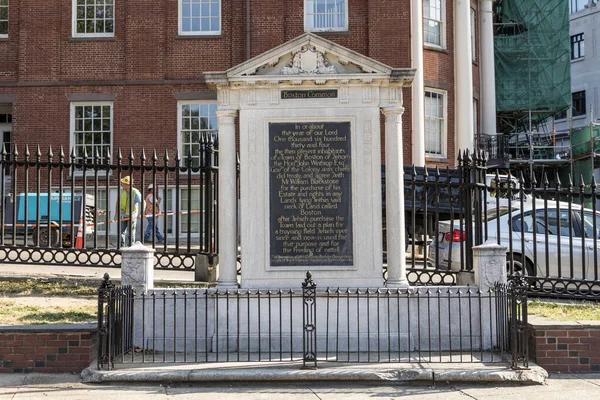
{"x":64,"y":209}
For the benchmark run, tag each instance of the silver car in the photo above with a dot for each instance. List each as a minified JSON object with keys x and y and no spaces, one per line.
{"x":561,"y":244}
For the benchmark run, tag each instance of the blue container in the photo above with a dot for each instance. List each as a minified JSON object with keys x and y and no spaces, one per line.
{"x":55,"y":200}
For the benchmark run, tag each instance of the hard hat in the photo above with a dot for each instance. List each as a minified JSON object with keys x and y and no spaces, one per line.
{"x":150,"y":186}
{"x":126,"y":180}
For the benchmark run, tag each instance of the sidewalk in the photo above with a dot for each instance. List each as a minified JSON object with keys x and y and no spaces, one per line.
{"x":68,"y":387}
{"x":24,"y":271}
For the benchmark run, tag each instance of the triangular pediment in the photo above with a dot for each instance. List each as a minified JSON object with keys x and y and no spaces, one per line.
{"x":306,"y":55}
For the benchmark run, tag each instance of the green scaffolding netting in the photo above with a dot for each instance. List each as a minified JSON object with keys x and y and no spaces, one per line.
{"x":532,"y":55}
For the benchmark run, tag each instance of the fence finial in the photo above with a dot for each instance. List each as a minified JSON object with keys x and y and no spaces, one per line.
{"x":106,"y":283}
{"x":308,"y":282}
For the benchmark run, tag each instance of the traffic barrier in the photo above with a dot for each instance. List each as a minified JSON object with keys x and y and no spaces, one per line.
{"x":79,"y":240}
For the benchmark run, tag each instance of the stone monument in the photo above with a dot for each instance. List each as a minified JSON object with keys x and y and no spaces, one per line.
{"x":310,"y":166}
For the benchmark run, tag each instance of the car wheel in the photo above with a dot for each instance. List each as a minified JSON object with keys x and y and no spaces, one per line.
{"x":515,"y":263}
{"x":46,"y":237}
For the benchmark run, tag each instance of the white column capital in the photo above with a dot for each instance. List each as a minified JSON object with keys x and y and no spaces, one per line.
{"x":393,"y":114}
{"x":227,"y":114}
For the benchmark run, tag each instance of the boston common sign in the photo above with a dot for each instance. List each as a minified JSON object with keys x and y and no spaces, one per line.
{"x":309,"y":117}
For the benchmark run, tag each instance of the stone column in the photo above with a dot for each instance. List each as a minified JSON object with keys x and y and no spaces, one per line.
{"x":418,"y":86}
{"x":489,"y":265}
{"x":488,"y":76}
{"x":227,"y":200}
{"x":394,"y":198}
{"x":137,"y":267}
{"x":463,"y":108}
{"x":137,"y":270}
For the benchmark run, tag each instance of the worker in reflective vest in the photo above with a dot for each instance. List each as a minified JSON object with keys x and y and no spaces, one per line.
{"x":127,"y":221}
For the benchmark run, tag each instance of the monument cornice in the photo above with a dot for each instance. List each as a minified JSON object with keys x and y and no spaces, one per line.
{"x":313,"y":80}
{"x":310,"y":60}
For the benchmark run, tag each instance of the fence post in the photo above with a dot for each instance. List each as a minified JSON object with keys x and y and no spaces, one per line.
{"x":489,"y":266}
{"x":137,"y":271}
{"x":517,"y":298}
{"x":104,"y":345}
{"x":309,"y":315}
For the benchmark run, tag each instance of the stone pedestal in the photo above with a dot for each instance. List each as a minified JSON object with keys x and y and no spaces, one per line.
{"x":489,"y":264}
{"x":206,"y":268}
{"x":137,"y":268}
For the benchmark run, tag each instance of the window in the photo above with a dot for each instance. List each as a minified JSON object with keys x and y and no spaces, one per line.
{"x":91,"y":129}
{"x":578,"y":5}
{"x":199,"y":17}
{"x":546,"y":221}
{"x":93,"y":18}
{"x":325,"y":15}
{"x":473,"y":31}
{"x":433,"y":24}
{"x":577,"y":47}
{"x":3,"y":18}
{"x":579,"y":104}
{"x":435,"y":123}
{"x":196,"y":120}
{"x":589,"y":224}
{"x":190,"y":221}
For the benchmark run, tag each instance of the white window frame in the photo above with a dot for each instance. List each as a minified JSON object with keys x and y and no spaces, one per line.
{"x":5,"y":35}
{"x":74,"y":32}
{"x":308,"y":17}
{"x":442,"y":24}
{"x":180,"y":127}
{"x":444,"y":126}
{"x":73,"y":127}
{"x":198,"y":32}
{"x":473,"y":36}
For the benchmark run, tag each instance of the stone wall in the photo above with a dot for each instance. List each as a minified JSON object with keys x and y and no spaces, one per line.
{"x":572,"y":346}
{"x":47,"y":348}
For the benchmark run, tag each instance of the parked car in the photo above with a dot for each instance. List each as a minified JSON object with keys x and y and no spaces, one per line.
{"x":549,"y":239}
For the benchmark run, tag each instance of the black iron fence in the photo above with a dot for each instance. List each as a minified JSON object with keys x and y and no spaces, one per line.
{"x":551,"y":232}
{"x":75,"y":209}
{"x":309,"y":326}
{"x":115,"y":322}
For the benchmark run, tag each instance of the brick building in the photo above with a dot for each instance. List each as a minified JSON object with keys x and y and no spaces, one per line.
{"x":111,"y":74}
{"x":398,"y":79}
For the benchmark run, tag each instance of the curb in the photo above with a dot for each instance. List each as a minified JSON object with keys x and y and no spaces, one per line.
{"x":403,"y":374}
